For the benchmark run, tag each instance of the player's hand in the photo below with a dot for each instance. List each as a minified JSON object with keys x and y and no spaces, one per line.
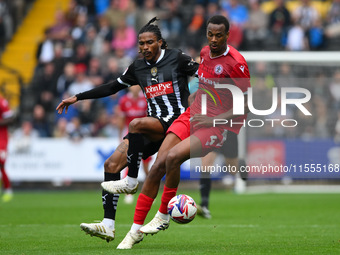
{"x":199,"y":120}
{"x":65,"y":104}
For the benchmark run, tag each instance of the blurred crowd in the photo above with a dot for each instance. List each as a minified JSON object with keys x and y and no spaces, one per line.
{"x":93,"y":42}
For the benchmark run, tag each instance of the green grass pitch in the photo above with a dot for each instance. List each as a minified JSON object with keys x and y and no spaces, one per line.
{"x":48,"y":223}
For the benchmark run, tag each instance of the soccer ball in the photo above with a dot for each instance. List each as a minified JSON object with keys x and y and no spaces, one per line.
{"x":182,"y":209}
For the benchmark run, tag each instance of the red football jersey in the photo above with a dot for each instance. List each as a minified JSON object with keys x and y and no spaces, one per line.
{"x":228,"y":68}
{"x":133,"y":107}
{"x":5,"y":112}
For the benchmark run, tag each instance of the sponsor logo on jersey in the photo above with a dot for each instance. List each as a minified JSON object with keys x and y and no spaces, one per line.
{"x":242,"y":68}
{"x":159,"y":89}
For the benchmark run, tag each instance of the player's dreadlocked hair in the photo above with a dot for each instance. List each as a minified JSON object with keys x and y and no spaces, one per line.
{"x":149,"y":27}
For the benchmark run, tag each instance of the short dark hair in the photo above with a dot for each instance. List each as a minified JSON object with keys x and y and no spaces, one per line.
{"x":219,"y":19}
{"x":149,"y":27}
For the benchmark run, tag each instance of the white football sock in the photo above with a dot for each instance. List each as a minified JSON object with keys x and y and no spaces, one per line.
{"x":109,"y":222}
{"x":163,"y":216}
{"x":135,"y":227}
{"x":132,"y":182}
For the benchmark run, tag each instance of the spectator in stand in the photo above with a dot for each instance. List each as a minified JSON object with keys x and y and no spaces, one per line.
{"x":24,"y":135}
{"x":86,"y":109}
{"x":112,"y":73}
{"x":94,"y":72}
{"x":305,"y":15}
{"x":45,"y":87}
{"x":2,"y":34}
{"x":316,"y":35}
{"x":72,"y":12}
{"x":59,"y":61}
{"x":125,"y":38}
{"x":78,"y":32}
{"x":66,"y":79}
{"x":279,"y":22}
{"x":6,"y":23}
{"x":112,"y":129}
{"x":296,"y":38}
{"x":107,"y":53}
{"x":100,"y":123}
{"x":115,"y":14}
{"x":45,"y":50}
{"x":82,"y":83}
{"x":101,"y":6}
{"x":238,"y":16}
{"x":82,"y":55}
{"x":123,"y":59}
{"x":96,"y":39}
{"x":213,"y":8}
{"x":195,"y":30}
{"x":131,"y":12}
{"x":60,"y":129}
{"x":333,"y":20}
{"x":256,"y":27}
{"x":76,"y":131}
{"x":237,"y":12}
{"x":147,"y":12}
{"x":40,"y":121}
{"x":105,"y":31}
{"x":60,"y":30}
{"x":171,"y":22}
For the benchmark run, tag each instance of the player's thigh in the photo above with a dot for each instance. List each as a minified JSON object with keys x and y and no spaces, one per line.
{"x":117,"y":161}
{"x":151,"y":127}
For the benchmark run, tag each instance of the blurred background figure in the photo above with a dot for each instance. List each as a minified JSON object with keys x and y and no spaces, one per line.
{"x":6,"y":118}
{"x":24,"y":135}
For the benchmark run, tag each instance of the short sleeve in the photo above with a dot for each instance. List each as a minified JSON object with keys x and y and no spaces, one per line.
{"x":240,"y":76}
{"x":186,"y":64}
{"x":128,"y":78}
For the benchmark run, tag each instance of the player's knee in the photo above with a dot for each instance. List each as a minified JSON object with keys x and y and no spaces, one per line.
{"x":157,"y":171}
{"x":172,"y":158}
{"x":136,"y":125}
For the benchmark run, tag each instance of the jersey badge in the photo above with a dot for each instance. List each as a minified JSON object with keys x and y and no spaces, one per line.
{"x":154,"y":71}
{"x":218,"y":69}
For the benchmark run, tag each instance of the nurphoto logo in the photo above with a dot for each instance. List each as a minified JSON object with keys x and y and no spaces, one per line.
{"x":239,"y":102}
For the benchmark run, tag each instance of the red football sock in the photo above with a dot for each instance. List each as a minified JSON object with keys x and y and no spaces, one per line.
{"x":168,"y":193}
{"x":143,"y":206}
{"x":5,"y":179}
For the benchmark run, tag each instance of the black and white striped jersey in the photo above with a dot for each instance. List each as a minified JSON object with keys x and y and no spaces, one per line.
{"x":164,"y":83}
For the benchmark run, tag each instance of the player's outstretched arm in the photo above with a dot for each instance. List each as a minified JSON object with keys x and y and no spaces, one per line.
{"x":98,"y":92}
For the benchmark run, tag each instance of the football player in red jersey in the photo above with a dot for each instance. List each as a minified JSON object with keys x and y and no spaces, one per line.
{"x":193,"y":134}
{"x":6,"y":118}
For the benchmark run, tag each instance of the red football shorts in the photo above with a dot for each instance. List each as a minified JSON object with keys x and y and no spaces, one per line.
{"x":211,"y":137}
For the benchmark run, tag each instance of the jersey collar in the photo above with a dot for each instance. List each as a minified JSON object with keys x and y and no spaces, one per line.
{"x":159,"y":59}
{"x":224,"y":54}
